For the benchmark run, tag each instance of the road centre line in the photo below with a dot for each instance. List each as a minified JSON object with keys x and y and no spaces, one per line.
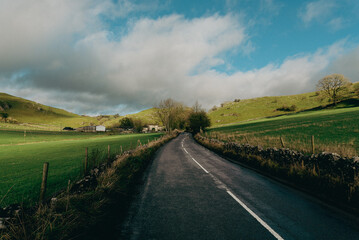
{"x":263,"y":223}
{"x":199,"y":164}
{"x":194,"y":159}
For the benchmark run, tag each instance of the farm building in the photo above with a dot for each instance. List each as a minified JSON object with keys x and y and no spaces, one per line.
{"x":152,"y":128}
{"x":100,"y":128}
{"x":92,"y":129}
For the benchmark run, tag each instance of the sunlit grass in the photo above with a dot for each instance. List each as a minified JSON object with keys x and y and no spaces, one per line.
{"x":333,"y":130}
{"x":21,"y":164}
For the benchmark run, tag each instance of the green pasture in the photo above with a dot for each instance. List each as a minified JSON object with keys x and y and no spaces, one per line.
{"x":11,"y":137}
{"x":21,"y":164}
{"x":331,"y":128}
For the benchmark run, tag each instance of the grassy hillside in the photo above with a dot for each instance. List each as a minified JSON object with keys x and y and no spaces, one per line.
{"x":250,"y":109}
{"x":334,"y":130}
{"x":147,"y":116}
{"x":39,"y":116}
{"x":25,"y":114}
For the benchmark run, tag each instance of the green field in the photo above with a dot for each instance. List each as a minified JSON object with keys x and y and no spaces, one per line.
{"x":334,"y":130}
{"x":21,"y":160}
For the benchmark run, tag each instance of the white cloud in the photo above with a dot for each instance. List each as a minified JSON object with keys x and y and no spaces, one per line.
{"x":65,"y":58}
{"x":316,"y":11}
{"x":270,"y":6}
{"x":337,"y":23}
{"x":296,"y":74}
{"x":66,"y":54}
{"x":347,"y":64}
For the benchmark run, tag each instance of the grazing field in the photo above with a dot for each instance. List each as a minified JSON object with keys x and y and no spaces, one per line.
{"x":11,"y":137}
{"x":21,"y":162}
{"x":334,"y":130}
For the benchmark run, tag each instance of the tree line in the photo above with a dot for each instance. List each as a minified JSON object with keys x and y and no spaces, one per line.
{"x":173,"y":115}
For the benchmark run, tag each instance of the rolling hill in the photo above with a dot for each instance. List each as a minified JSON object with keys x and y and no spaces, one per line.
{"x":29,"y":114}
{"x":32,"y":114}
{"x":263,"y":107}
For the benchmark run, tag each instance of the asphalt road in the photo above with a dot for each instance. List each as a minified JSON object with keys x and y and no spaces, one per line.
{"x":192,"y":193}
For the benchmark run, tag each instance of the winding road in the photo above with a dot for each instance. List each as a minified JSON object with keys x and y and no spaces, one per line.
{"x":191,"y":193}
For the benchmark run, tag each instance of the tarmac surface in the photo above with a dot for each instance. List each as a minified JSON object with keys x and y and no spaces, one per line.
{"x":190,"y":192}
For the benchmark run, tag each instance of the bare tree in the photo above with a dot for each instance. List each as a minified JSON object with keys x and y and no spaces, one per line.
{"x":197,"y":107}
{"x":333,"y":85}
{"x":169,"y":111}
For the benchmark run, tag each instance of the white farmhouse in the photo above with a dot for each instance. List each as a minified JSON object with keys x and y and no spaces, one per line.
{"x":100,"y":128}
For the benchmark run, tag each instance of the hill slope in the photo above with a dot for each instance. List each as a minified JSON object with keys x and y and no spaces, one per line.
{"x":34,"y":115}
{"x":250,"y":109}
{"x":20,"y":110}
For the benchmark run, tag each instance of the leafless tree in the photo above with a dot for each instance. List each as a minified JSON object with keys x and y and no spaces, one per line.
{"x":333,"y":86}
{"x":197,"y":107}
{"x":168,"y":112}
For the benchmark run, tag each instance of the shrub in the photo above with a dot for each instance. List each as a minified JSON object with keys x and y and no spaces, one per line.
{"x":126,"y":123}
{"x":285,"y":108}
{"x":198,"y":121}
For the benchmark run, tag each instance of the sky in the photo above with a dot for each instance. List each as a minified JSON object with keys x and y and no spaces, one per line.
{"x":119,"y":56}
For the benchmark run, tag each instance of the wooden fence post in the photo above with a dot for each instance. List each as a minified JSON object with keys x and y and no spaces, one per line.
{"x":313,"y":146}
{"x":68,"y":195}
{"x":86,"y":160}
{"x":45,"y":171}
{"x":282,"y":142}
{"x":108,"y":153}
{"x":121,"y":149}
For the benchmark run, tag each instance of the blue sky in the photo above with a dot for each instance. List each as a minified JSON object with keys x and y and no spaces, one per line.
{"x":106,"y":57}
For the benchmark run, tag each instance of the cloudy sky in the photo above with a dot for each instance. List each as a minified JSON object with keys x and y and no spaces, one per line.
{"x":121,"y":56}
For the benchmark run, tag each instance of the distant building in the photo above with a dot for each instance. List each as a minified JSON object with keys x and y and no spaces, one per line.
{"x":99,"y":128}
{"x":152,"y":128}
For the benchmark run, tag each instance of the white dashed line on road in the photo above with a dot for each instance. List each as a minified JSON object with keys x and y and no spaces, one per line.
{"x":205,"y":170}
{"x":263,"y":223}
